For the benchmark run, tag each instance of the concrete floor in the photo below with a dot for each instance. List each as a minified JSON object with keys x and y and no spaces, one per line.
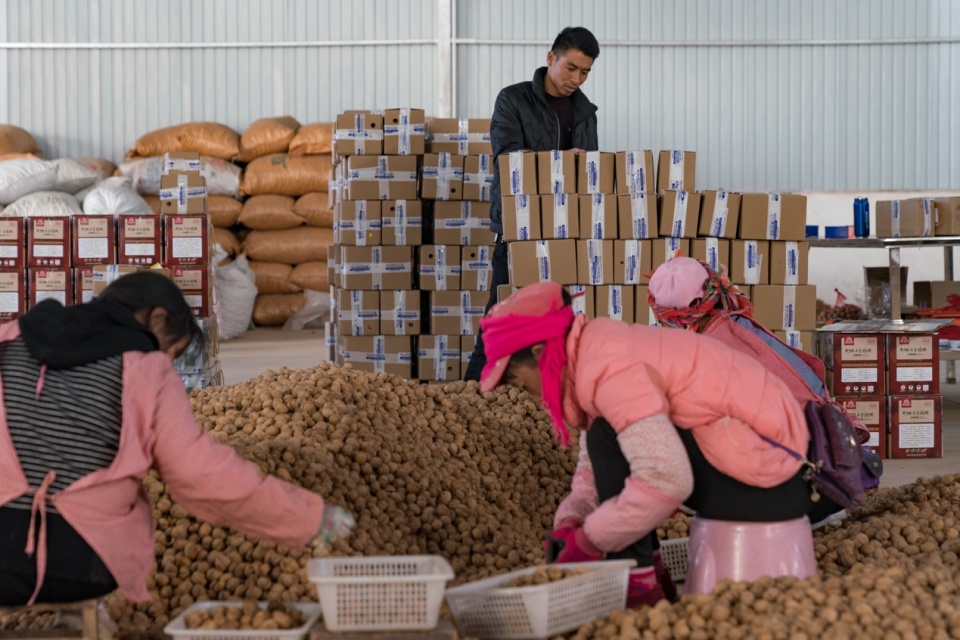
{"x":264,"y":348}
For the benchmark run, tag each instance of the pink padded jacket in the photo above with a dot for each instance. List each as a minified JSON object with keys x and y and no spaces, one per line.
{"x":109,"y":508}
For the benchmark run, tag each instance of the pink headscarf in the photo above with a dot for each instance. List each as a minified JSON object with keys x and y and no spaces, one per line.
{"x":505,"y":335}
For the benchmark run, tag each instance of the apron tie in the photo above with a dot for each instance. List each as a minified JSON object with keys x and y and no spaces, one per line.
{"x":39,"y":505}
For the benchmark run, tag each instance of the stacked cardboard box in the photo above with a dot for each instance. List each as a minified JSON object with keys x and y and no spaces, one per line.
{"x":889,"y":376}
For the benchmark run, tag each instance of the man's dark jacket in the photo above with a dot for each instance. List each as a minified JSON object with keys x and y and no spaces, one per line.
{"x":523,"y":120}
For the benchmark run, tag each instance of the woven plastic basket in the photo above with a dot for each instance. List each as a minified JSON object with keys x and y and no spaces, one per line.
{"x":380,"y":593}
{"x":177,"y":627}
{"x":484,"y":609}
{"x":675,"y":556}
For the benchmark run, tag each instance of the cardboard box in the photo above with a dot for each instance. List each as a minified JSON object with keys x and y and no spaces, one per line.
{"x":638,"y":216}
{"x":666,"y":248}
{"x":438,"y":358}
{"x":560,"y":216}
{"x":598,"y":217}
{"x":54,"y":284}
{"x":802,"y":340}
{"x":404,"y":132}
{"x":676,"y":170}
{"x":358,"y":133}
{"x":48,"y":242}
{"x":521,"y":217}
{"x":358,"y":223}
{"x":194,"y":283}
{"x":773,"y":216}
{"x":855,"y":362}
{"x":596,"y":171}
{"x":542,"y":260}
{"x":376,"y":268}
{"x":615,"y":301}
{"x":457,"y":312}
{"x":13,"y":244}
{"x":779,"y":307}
{"x":872,"y":411}
{"x":583,"y":300}
{"x":749,"y":262}
{"x":476,"y":267}
{"x":595,"y":262}
{"x":439,"y":267}
{"x":910,"y":218}
{"x":400,"y":313}
{"x":104,"y":274}
{"x":478,"y":177}
{"x":788,"y":262}
{"x":467,"y":346}
{"x":916,"y":426}
{"x":933,"y":294}
{"x":358,"y":312}
{"x":632,"y":260}
{"x":82,"y":285}
{"x":557,"y":172}
{"x":94,"y":240}
{"x":679,"y":213}
{"x":442,"y":177}
{"x":462,"y":223}
{"x":182,"y":162}
{"x":378,"y":354}
{"x":713,"y":251}
{"x":183,"y":193}
{"x":186,"y":240}
{"x":464,"y":136}
{"x":948,"y":216}
{"x":504,"y":291}
{"x":13,"y":294}
{"x":913,"y":364}
{"x":719,"y":214}
{"x":518,"y":173}
{"x":330,"y":341}
{"x":643,"y":314}
{"x":402,"y":223}
{"x":381,"y":178}
{"x":635,"y":172}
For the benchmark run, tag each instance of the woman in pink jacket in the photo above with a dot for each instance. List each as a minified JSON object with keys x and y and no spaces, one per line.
{"x":666,"y":418}
{"x":91,"y":403}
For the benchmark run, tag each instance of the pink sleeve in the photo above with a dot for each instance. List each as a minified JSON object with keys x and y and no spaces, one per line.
{"x":660,"y":480}
{"x":213,"y":483}
{"x":583,"y":491}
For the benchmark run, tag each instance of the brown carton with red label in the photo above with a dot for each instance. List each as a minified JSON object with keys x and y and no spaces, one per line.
{"x":916,"y":426}
{"x":12,"y":243}
{"x":855,"y":362}
{"x":139,"y":240}
{"x":872,"y":411}
{"x":82,"y":285}
{"x":186,"y":240}
{"x":13,"y":294}
{"x":44,"y":284}
{"x":48,"y":242}
{"x":913,"y":364}
{"x":194,"y":283}
{"x":94,"y":240}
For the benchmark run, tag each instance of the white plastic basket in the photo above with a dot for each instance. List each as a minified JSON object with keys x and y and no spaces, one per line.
{"x":177,"y":628}
{"x":675,"y":556}
{"x":380,"y":593}
{"x":486,"y":610}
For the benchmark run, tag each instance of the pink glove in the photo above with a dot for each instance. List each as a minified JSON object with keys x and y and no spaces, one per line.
{"x":664,"y":577}
{"x":571,"y":545}
{"x":558,"y":533}
{"x":643,"y":588}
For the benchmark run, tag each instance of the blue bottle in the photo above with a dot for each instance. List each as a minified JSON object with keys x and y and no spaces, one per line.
{"x":861,"y":218}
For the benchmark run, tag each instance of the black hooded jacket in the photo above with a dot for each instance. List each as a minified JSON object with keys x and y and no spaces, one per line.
{"x":523,"y":120}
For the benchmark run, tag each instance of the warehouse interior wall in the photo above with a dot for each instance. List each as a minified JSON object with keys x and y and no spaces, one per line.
{"x":807,"y":95}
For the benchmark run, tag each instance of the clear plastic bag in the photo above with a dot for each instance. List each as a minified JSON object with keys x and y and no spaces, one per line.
{"x":313,"y":314}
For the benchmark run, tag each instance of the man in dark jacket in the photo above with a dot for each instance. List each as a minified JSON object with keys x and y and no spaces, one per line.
{"x":550,"y":112}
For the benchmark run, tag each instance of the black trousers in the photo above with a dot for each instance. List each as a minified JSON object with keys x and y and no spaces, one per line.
{"x":715,"y":494}
{"x":74,"y":571}
{"x":501,"y":276}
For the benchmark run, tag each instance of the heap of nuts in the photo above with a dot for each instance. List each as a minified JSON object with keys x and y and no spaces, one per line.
{"x":245,"y":615}
{"x":544,"y":575}
{"x":675,"y":527}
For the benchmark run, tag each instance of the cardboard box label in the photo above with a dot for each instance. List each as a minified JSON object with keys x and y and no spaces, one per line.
{"x":615,"y":302}
{"x":859,"y":349}
{"x":578,"y":298}
{"x":189,"y":279}
{"x":914,"y":348}
{"x":638,"y":180}
{"x":523,"y":216}
{"x":713,"y":253}
{"x":789,"y":307}
{"x":561,"y":216}
{"x":557,"y":176}
{"x":859,"y":374}
{"x":676,"y":170}
{"x":792,"y":274}
{"x":141,"y":227}
{"x":917,"y":436}
{"x":914,"y":374}
{"x":543,"y":260}
{"x":752,"y":262}
{"x":640,"y":215}
{"x":718,"y":224}
{"x":517,"y":179}
{"x":773,"y":216}
{"x":633,"y":253}
{"x":595,"y":260}
{"x":47,"y":229}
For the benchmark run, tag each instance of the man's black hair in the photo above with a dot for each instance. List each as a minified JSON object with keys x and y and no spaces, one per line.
{"x":578,"y":38}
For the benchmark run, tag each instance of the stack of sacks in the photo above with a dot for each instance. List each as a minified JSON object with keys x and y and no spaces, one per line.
{"x":15,"y":141}
{"x":30,"y":186}
{"x":286,"y":222}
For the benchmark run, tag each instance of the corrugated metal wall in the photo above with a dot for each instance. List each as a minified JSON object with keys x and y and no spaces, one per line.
{"x":792,"y":94}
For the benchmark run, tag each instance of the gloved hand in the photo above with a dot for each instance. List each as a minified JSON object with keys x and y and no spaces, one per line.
{"x":336,"y":522}
{"x":550,"y":550}
{"x":664,"y":577}
{"x":571,"y":545}
{"x":643,"y":588}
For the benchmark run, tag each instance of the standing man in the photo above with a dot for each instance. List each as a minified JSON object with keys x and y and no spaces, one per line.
{"x":550,"y":112}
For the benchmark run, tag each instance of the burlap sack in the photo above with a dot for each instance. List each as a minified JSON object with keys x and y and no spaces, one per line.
{"x":16,"y":140}
{"x":285,"y":175}
{"x":274,"y":277}
{"x":206,"y":138}
{"x":266,"y":136}
{"x":314,"y":209}
{"x":289,"y":246}
{"x":313,"y":139}
{"x":223,"y":210}
{"x":269,"y":212}
{"x":273,"y":309}
{"x":311,"y":275}
{"x":227,"y":240}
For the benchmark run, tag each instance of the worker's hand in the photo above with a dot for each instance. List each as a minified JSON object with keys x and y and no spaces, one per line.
{"x":335,"y":523}
{"x":571,"y":545}
{"x":552,"y":542}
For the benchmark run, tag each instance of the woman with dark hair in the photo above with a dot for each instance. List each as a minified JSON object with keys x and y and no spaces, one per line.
{"x":91,"y":403}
